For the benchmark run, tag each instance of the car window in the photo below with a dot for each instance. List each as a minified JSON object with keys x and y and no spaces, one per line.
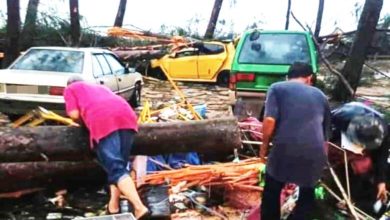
{"x":116,"y":66}
{"x":209,"y":49}
{"x":187,"y":52}
{"x":275,"y":49}
{"x":103,"y":63}
{"x":63,"y":61}
{"x":97,"y":69}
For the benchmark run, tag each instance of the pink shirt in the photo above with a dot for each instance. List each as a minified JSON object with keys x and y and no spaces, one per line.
{"x":102,"y":111}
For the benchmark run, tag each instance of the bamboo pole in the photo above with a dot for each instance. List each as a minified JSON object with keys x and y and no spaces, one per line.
{"x":345,"y":196}
{"x":341,"y":200}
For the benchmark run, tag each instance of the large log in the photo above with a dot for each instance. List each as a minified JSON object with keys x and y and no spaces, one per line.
{"x":27,"y":175}
{"x":59,"y":143}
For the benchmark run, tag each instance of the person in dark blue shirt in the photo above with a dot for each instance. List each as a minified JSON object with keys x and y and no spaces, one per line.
{"x":297,"y":118}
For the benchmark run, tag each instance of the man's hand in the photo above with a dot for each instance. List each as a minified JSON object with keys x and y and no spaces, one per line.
{"x":74,"y":124}
{"x":382,"y":192}
{"x":268,"y":130}
{"x":263,"y":151}
{"x":74,"y":115}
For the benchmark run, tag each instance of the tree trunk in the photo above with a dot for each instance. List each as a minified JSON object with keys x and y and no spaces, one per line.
{"x":74,"y":22}
{"x":288,"y":15}
{"x":27,"y":175}
{"x":59,"y":143}
{"x":213,"y":19}
{"x":319,"y":18}
{"x":120,"y":14}
{"x":353,"y":67}
{"x":43,"y":143}
{"x":28,"y":31}
{"x":13,"y":32}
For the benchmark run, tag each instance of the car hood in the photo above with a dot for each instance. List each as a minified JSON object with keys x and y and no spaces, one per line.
{"x":30,"y":77}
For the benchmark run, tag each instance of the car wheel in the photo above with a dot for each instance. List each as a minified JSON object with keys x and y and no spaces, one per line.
{"x":223,"y":79}
{"x":158,"y":73}
{"x":135,"y":99}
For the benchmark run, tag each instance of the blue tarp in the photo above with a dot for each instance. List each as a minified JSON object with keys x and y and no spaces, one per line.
{"x":175,"y":161}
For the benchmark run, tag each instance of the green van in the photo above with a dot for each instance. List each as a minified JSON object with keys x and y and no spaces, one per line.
{"x":264,"y":57}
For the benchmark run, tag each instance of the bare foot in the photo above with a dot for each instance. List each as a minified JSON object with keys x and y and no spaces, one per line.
{"x":140,"y":213}
{"x":112,"y":207}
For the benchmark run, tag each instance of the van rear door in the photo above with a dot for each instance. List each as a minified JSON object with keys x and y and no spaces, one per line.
{"x":263,"y":58}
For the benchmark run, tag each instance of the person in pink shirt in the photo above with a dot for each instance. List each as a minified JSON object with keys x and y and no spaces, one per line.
{"x":112,"y":124}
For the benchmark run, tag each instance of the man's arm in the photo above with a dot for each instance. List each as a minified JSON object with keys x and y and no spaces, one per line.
{"x":268,"y":130}
{"x":381,"y":166}
{"x":71,"y":105}
{"x":271,"y":114}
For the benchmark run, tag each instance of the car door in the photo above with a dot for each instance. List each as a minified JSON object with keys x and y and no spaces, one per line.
{"x":104,"y":75}
{"x":183,"y":65}
{"x":126,"y":80}
{"x":210,"y":60}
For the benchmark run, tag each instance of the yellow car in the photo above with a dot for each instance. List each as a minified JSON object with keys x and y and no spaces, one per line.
{"x":201,"y":62}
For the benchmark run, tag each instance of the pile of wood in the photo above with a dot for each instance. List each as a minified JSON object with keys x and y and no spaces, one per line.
{"x":235,"y":175}
{"x":38,"y":156}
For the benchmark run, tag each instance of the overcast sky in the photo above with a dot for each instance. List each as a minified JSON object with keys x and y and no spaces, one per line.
{"x":238,"y":14}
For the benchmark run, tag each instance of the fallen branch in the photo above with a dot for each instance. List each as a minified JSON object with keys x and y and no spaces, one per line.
{"x":326,"y":62}
{"x":377,"y":70}
{"x":299,"y":23}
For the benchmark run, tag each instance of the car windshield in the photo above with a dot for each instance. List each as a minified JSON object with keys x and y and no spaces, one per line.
{"x":64,"y":61}
{"x":274,"y":48}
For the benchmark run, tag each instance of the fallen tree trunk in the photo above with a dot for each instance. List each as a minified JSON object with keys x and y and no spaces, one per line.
{"x":59,"y":143}
{"x":139,"y":54}
{"x":27,"y":175}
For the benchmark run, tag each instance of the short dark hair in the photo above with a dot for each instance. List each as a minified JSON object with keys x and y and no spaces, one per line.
{"x":299,"y":69}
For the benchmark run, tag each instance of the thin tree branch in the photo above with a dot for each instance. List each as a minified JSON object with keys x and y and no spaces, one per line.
{"x":377,"y":70}
{"x":296,"y":20}
{"x":288,"y":15}
{"x":323,"y":58}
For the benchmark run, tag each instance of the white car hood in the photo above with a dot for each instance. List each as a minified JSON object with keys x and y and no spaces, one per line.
{"x":30,"y":77}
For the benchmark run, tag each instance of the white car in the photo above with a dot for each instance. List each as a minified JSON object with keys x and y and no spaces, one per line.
{"x":39,"y":77}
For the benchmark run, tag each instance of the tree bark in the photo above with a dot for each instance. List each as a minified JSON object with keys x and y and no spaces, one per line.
{"x":288,"y":15}
{"x":120,"y":14}
{"x":130,"y":55}
{"x":13,"y":32}
{"x":59,"y":143}
{"x":319,"y":19}
{"x":27,"y":175}
{"x":213,"y":19}
{"x":29,"y":27}
{"x":353,"y":67}
{"x":74,"y":22}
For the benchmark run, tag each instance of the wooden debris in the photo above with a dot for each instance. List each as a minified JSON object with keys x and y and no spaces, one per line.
{"x":60,"y":143}
{"x":244,"y":174}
